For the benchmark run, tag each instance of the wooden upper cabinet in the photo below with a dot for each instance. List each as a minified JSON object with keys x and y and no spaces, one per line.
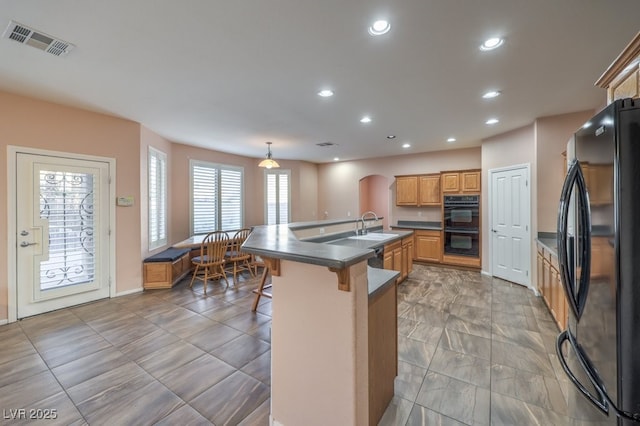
{"x":429,"y":190}
{"x":466,"y":181}
{"x":407,"y":190}
{"x":470,"y":181}
{"x":418,"y":190}
{"x":622,"y":78}
{"x":450,"y":182}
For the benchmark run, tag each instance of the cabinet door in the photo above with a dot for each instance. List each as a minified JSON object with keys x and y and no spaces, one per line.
{"x":387,"y":262}
{"x":410,"y":255}
{"x":540,"y":270}
{"x":428,"y":246}
{"x":429,"y":194}
{"x":546,"y":283}
{"x":397,"y":260}
{"x":470,"y":181}
{"x":628,"y":88}
{"x":404,"y":264}
{"x":407,"y":190}
{"x":450,"y":182}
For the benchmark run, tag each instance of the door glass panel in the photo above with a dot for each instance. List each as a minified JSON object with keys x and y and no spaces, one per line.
{"x":67,"y":202}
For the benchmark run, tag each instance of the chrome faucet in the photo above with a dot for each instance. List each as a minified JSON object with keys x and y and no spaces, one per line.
{"x":364,"y":225}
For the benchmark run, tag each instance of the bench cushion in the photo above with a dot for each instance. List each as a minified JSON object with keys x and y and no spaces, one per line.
{"x":169,"y":255}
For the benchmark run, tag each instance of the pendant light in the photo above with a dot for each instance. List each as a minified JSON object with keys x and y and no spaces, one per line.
{"x":269,"y":162}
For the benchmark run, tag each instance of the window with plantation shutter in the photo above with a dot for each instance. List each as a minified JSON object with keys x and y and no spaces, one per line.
{"x":277,"y":196}
{"x":217,"y":197}
{"x":157,"y":177}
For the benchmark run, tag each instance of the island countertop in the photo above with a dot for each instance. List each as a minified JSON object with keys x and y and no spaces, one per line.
{"x":280,"y":242}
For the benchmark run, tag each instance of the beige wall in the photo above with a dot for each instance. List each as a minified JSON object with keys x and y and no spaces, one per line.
{"x":33,"y":123}
{"x":511,"y":148}
{"x":338,"y":183}
{"x":303,"y":187}
{"x":552,"y":134}
{"x":27,"y":122}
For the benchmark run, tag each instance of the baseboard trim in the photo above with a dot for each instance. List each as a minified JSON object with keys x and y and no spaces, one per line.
{"x":483,"y":272}
{"x":127,"y":292}
{"x":4,"y":322}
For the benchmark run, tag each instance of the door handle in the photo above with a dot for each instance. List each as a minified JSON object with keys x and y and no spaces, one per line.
{"x":493,"y":230}
{"x":26,"y":244}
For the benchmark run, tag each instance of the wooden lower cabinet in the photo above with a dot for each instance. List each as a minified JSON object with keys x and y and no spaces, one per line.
{"x":428,"y":246}
{"x":398,"y":256}
{"x":408,"y":258}
{"x":383,"y":351}
{"x":550,"y":286}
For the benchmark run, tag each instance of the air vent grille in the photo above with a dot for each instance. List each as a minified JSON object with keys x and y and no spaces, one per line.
{"x":39,"y":40}
{"x":326,"y":144}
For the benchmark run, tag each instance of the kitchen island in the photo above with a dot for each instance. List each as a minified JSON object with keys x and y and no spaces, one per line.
{"x":333,"y":330}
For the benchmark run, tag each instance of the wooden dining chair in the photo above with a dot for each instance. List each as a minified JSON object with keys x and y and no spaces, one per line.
{"x":240,"y":259}
{"x":212,"y":259}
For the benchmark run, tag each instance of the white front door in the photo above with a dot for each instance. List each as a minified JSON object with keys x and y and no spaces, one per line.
{"x":62,"y":226}
{"x":510,"y":217}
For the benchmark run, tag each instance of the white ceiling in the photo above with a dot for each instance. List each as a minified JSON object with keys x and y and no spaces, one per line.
{"x":230,"y":75}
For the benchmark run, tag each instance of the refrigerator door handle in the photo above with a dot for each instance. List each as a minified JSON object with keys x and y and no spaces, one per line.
{"x":604,"y":402}
{"x":600,"y":403}
{"x":576,"y":294}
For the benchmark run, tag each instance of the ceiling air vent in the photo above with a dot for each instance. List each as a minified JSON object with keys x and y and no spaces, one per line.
{"x":326,"y":144}
{"x":25,"y":35}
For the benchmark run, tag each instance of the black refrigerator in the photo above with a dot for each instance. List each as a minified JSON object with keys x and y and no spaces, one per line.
{"x":599,"y":259}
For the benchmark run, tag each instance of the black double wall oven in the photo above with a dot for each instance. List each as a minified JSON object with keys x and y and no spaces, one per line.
{"x":462,"y":225}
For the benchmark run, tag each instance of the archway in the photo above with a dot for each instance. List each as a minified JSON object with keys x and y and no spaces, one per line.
{"x":374,"y":196}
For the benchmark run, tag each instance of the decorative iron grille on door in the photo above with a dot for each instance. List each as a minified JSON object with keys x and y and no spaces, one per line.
{"x":67,"y":201}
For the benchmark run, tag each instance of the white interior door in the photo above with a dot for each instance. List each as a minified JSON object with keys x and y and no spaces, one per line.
{"x":62,"y":226}
{"x":510,"y":217}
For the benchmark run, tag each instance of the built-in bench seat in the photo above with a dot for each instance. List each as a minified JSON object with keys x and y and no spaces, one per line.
{"x":165,"y":269}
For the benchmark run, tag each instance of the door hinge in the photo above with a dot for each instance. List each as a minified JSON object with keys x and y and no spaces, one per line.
{"x":109,"y":231}
{"x":527,"y":273}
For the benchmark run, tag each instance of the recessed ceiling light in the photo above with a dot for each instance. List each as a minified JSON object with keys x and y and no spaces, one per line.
{"x":365,"y":119}
{"x":325,"y":93}
{"x":492,"y":121}
{"x":587,"y":125}
{"x":451,"y":140}
{"x":491,"y":43}
{"x":379,"y":27}
{"x":406,"y":145}
{"x":491,"y":94}
{"x":391,"y":137}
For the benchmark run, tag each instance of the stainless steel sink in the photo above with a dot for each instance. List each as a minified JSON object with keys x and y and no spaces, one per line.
{"x":373,"y":236}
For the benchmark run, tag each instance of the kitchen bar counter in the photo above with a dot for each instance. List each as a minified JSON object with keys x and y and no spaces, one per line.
{"x":333,"y":325}
{"x":379,"y":280}
{"x":280,"y":241}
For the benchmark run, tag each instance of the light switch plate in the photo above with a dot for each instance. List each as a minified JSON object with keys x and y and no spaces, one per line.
{"x":124,"y":201}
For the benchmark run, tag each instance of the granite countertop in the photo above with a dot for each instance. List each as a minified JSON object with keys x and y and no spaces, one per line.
{"x":279,"y":242}
{"x":550,"y":242}
{"x":415,"y":224}
{"x":380,"y":279}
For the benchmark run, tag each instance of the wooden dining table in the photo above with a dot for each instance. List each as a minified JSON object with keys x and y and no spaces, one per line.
{"x":195,"y":241}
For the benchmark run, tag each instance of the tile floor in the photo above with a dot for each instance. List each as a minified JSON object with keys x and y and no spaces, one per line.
{"x":472,"y":350}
